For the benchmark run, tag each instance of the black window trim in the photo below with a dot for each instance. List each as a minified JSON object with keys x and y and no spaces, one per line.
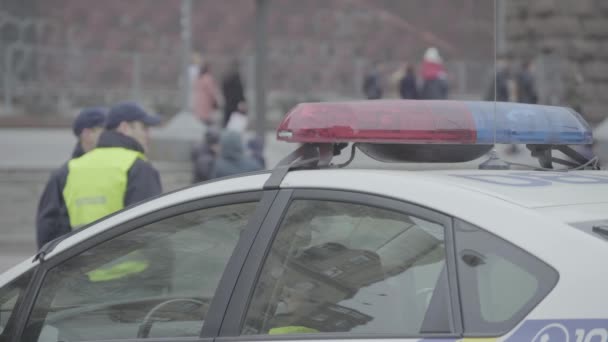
{"x":243,"y":293}
{"x":214,"y":317}
{"x":13,"y":324}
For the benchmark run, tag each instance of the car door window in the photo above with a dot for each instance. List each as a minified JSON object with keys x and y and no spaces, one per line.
{"x":155,"y":281}
{"x":500,"y":283}
{"x":11,"y":295}
{"x":338,"y":267}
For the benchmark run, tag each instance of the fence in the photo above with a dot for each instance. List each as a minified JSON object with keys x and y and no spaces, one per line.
{"x":43,"y":78}
{"x":48,"y":80}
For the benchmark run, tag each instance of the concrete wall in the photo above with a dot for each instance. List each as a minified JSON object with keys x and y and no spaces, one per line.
{"x":569,"y":41}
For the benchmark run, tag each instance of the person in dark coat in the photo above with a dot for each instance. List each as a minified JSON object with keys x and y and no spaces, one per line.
{"x":372,"y":84}
{"x":408,"y":87}
{"x":204,"y":156}
{"x":232,"y":160}
{"x":50,"y":218}
{"x":503,"y":87}
{"x":232,"y":88}
{"x":526,"y":85}
{"x":256,"y":148}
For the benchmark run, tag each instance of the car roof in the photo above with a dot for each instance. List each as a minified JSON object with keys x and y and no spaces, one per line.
{"x":529,"y":189}
{"x":563,"y":197}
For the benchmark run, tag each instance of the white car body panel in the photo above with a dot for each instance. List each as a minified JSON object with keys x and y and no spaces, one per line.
{"x":578,"y":212}
{"x":17,"y":270}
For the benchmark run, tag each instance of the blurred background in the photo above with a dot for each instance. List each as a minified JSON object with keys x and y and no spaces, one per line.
{"x":59,"y":56}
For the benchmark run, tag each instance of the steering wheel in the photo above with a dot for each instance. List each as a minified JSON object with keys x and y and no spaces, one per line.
{"x":146,"y":325}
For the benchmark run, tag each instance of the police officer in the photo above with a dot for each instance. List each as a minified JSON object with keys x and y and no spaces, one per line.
{"x":116,"y":174}
{"x":112,"y":176}
{"x":51,"y":220}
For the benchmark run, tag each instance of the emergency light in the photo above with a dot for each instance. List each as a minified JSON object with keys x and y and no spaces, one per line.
{"x":433,"y":122}
{"x":436,"y":131}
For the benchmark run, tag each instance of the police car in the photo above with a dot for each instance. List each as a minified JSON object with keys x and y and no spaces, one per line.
{"x":315,"y":250}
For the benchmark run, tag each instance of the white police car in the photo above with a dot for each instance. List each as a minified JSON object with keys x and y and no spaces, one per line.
{"x":312,"y":251}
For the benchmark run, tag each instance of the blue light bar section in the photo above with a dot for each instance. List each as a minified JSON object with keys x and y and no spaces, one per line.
{"x":518,"y":123}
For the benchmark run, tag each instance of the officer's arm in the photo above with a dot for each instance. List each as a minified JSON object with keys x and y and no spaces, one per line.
{"x":143,"y":183}
{"x":52,"y":220}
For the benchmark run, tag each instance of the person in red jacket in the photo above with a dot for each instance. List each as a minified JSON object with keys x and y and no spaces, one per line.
{"x":434,"y":76}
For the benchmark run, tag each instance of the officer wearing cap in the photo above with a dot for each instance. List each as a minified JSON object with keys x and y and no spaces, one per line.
{"x":112,"y":176}
{"x":118,"y":167}
{"x":50,"y":222}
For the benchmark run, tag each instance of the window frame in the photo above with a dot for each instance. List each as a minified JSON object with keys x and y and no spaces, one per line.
{"x":243,"y":293}
{"x":264,"y":200}
{"x":14,"y":321}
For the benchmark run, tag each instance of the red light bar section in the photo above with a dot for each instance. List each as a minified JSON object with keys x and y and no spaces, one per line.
{"x":380,"y":121}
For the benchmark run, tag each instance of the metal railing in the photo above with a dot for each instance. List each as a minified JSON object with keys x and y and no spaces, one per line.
{"x":46,"y":76}
{"x":50,"y":78}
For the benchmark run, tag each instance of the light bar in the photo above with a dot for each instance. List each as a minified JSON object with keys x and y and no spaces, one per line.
{"x":433,"y":122}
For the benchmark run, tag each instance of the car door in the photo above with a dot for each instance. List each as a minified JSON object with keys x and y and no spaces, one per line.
{"x":340,"y":265}
{"x":167,"y":275}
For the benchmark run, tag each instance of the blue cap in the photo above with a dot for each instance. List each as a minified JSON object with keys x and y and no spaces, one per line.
{"x":129,"y":112}
{"x":89,"y":118}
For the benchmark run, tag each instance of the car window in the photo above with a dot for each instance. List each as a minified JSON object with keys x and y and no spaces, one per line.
{"x":11,"y":295}
{"x":155,"y":281}
{"x":500,"y":283}
{"x":340,"y":267}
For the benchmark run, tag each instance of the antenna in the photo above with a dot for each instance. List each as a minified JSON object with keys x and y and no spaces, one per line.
{"x":495,"y":70}
{"x":494,"y":162}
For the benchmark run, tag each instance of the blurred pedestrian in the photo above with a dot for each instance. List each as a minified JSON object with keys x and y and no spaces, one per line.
{"x":232,"y":88}
{"x":232,"y":160}
{"x":434,"y":76}
{"x":526,"y":84}
{"x":207,"y":96}
{"x":504,"y":89}
{"x":256,"y":149}
{"x":193,"y":71}
{"x":238,"y":121}
{"x":50,"y":218}
{"x":574,"y":96}
{"x":394,"y":80}
{"x":504,"y":86}
{"x":204,"y":156}
{"x":372,"y":83}
{"x":408,"y":85}
{"x":113,"y":175}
